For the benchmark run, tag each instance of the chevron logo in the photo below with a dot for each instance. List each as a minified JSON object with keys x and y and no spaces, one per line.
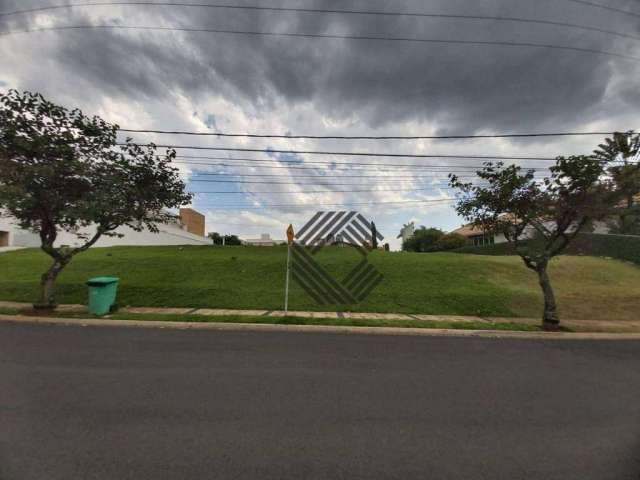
{"x":327,"y":228}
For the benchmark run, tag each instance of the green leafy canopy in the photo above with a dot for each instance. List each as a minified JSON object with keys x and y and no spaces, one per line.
{"x":62,"y":170}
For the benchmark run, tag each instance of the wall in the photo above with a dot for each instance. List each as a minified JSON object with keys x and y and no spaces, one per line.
{"x":170,"y":234}
{"x":192,"y":221}
{"x":18,"y":237}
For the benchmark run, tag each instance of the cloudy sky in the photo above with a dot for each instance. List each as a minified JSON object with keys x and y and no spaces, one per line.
{"x":240,"y":83}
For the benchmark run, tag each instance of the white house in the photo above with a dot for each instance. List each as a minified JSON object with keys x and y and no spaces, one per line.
{"x":478,"y":237}
{"x":185,"y":229}
{"x":265,"y":240}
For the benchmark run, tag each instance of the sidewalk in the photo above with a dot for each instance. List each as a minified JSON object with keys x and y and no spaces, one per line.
{"x":606,"y":326}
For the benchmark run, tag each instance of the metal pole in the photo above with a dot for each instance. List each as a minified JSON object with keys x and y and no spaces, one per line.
{"x":286,"y":285}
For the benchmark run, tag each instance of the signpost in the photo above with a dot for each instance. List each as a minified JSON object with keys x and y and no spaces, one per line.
{"x":290,"y":235}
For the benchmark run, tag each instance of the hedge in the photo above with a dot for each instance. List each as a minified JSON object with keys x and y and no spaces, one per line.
{"x":621,"y":247}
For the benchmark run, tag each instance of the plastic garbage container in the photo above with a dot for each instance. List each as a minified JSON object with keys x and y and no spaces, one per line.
{"x":102,"y":294}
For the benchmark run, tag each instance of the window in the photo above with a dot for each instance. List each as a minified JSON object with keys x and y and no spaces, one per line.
{"x":480,"y":240}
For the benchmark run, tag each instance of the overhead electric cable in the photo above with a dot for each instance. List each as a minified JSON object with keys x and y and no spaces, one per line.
{"x":606,"y":7}
{"x":495,"y":43}
{"x":288,"y":162}
{"x":315,"y":205}
{"x":492,"y":18}
{"x":352,"y":154}
{"x":367,"y":137}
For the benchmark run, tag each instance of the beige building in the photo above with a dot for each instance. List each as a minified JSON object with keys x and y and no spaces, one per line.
{"x":192,"y":221}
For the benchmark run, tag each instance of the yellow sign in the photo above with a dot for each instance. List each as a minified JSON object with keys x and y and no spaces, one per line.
{"x":290,"y":235}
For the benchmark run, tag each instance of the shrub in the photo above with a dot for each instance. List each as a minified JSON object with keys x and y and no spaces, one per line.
{"x":621,"y":247}
{"x":423,"y":240}
{"x":451,"y":241}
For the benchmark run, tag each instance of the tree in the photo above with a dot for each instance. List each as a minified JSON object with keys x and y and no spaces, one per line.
{"x":215,"y":237}
{"x":226,"y":240}
{"x":423,"y":240}
{"x":540,"y":219}
{"x":619,"y":153}
{"x":232,"y":240}
{"x":451,"y":241}
{"x":60,"y":171}
{"x":374,"y":236}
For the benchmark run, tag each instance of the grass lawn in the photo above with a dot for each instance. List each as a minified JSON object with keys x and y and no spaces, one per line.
{"x":253,"y":278}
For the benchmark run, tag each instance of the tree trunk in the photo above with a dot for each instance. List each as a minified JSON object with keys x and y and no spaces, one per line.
{"x":550,"y":320}
{"x":47,"y":286}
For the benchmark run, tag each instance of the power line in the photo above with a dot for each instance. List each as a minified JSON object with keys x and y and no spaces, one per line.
{"x":493,"y":43}
{"x":606,"y":7}
{"x":322,"y":192}
{"x":196,"y":178}
{"x":270,"y":182}
{"x":319,"y":171}
{"x":497,"y":18}
{"x":344,"y":165}
{"x":367,"y":137}
{"x":307,"y":192}
{"x":352,"y":154}
{"x":315,"y":205}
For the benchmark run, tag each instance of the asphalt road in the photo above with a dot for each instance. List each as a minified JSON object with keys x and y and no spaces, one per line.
{"x":117,"y":403}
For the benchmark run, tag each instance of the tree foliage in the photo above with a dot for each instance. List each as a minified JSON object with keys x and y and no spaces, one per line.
{"x":433,"y":240}
{"x":451,"y":241}
{"x":540,"y":217}
{"x":228,"y":239}
{"x":423,"y":240}
{"x":61,"y":170}
{"x":620,"y":153}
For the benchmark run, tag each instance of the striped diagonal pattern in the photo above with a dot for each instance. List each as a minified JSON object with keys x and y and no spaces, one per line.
{"x":323,"y":228}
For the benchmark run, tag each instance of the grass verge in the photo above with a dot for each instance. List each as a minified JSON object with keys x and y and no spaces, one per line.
{"x":262,"y":320}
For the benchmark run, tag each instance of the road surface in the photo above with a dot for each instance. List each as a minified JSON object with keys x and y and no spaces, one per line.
{"x":128,"y":403}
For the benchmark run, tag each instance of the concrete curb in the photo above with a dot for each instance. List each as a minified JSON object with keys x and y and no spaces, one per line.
{"x":255,"y":327}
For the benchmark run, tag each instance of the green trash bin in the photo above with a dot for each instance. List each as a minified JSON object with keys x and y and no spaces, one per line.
{"x":102,"y":294}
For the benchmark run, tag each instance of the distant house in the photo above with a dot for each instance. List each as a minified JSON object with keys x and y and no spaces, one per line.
{"x":478,"y":237}
{"x":265,"y":240}
{"x":187,"y":228}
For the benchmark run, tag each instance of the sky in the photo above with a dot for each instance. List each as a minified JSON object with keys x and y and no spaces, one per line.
{"x":238,"y":83}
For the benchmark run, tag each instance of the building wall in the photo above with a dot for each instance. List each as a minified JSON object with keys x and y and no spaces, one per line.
{"x":192,"y":221}
{"x":15,"y":236}
{"x":170,"y":234}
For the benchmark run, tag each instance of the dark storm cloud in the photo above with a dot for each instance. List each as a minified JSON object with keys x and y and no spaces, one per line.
{"x":461,"y":87}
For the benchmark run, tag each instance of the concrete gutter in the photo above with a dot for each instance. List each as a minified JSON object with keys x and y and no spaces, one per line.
{"x":253,"y":327}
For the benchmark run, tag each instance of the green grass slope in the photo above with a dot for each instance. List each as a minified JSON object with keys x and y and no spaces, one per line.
{"x":253,"y":277}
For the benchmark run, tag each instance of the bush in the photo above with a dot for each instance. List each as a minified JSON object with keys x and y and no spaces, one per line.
{"x":423,"y":240}
{"x":451,"y":241}
{"x":621,"y":247}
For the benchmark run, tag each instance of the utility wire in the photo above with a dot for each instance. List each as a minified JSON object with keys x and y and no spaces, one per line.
{"x":606,"y":7}
{"x":368,"y":137}
{"x":322,"y":192}
{"x":319,"y":172}
{"x":379,"y":166}
{"x":496,"y":18}
{"x":352,"y":154}
{"x":196,"y":178}
{"x":326,"y":36}
{"x":271,"y":182}
{"x":315,"y":205}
